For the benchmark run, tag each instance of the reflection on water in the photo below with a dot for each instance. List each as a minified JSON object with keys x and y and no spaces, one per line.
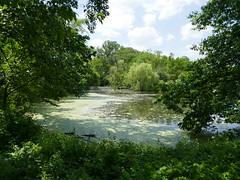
{"x":123,"y":116}
{"x":142,"y":108}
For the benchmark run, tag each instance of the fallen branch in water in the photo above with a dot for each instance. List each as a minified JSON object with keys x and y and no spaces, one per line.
{"x":90,"y":135}
{"x":81,"y":136}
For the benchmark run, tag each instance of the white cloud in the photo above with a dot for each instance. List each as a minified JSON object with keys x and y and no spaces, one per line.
{"x":96,"y":42}
{"x":123,"y":13}
{"x":108,"y":32}
{"x":187,"y":32}
{"x":170,"y":37}
{"x":166,"y":8}
{"x":134,"y":23}
{"x":149,"y":19}
{"x":121,"y":18}
{"x":143,"y":38}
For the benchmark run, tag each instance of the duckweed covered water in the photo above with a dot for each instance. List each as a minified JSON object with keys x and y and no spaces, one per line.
{"x":113,"y":115}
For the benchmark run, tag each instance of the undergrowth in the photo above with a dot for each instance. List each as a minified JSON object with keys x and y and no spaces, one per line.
{"x":57,"y":156}
{"x":51,"y":155}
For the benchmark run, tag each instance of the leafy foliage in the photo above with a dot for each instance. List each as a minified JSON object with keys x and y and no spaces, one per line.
{"x":113,"y":63}
{"x":142,"y":77}
{"x":210,"y":91}
{"x":16,"y":128}
{"x":105,"y":58}
{"x":117,"y":75}
{"x":95,"y":10}
{"x":56,"y":156}
{"x":41,"y":55}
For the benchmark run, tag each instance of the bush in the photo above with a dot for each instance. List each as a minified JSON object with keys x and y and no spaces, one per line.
{"x":16,"y":127}
{"x":57,"y":156}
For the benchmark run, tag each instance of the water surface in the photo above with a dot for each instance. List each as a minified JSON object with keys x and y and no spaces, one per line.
{"x":126,"y":115}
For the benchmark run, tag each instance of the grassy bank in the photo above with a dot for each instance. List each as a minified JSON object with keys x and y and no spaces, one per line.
{"x":56,"y":156}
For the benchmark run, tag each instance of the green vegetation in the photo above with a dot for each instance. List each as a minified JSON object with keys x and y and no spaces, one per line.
{"x":116,"y":75}
{"x":142,"y":77}
{"x":44,"y":57}
{"x":41,"y":56}
{"x":212,"y":86}
{"x":57,"y":156}
{"x":124,"y":67}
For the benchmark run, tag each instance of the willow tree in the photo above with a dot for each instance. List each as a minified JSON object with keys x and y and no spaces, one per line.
{"x":141,"y":77}
{"x":211,"y":90}
{"x":42,"y":56}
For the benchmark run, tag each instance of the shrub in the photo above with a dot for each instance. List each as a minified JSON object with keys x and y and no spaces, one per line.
{"x":16,"y":127}
{"x":57,"y":156}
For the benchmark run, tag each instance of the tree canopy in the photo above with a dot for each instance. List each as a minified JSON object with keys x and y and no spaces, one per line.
{"x":211,"y":90}
{"x":113,"y":63}
{"x":142,"y":77}
{"x":41,"y":55}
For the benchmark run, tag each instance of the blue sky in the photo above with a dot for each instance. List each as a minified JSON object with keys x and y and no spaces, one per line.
{"x":151,"y":24}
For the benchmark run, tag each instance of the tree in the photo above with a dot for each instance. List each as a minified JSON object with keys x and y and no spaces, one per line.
{"x":95,"y":10}
{"x":127,"y":54}
{"x":104,"y":59}
{"x":108,"y":50}
{"x":117,"y":75}
{"x":167,"y":67}
{"x":177,"y":67}
{"x":100,"y":68}
{"x":211,"y":90}
{"x":111,"y":55}
{"x":142,"y":77}
{"x":41,"y":56}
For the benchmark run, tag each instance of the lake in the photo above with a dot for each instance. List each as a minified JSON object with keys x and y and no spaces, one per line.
{"x":113,"y":114}
{"x":116,"y":114}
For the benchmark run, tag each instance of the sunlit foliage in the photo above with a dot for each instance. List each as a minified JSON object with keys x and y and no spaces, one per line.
{"x":113,"y":63}
{"x":142,"y":77}
{"x":41,"y":56}
{"x":57,"y":156}
{"x":210,"y":92}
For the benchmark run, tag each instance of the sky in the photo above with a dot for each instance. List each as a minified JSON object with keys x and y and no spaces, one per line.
{"x":156,"y":25}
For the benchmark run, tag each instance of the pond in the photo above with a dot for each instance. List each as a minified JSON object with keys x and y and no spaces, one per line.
{"x":122,"y":114}
{"x":106,"y":113}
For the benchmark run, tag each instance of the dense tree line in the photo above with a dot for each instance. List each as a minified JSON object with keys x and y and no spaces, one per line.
{"x":125,"y":67}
